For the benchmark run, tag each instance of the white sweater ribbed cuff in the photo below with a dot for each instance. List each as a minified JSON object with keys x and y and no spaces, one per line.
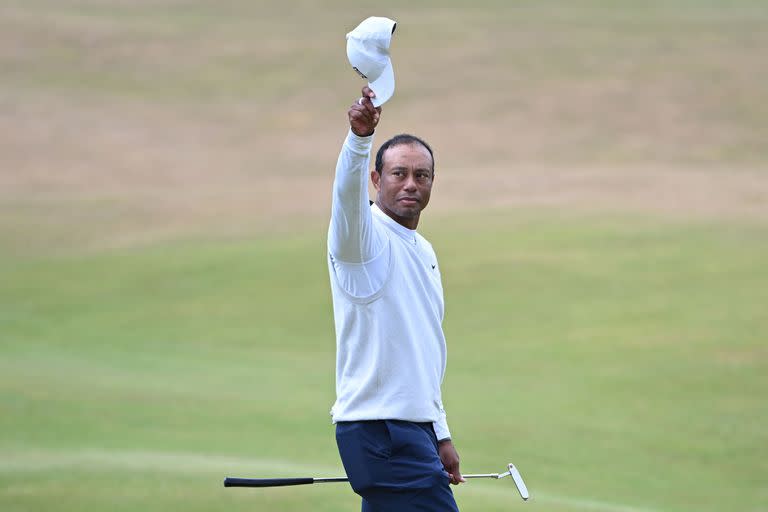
{"x":441,"y":429}
{"x":359,"y":145}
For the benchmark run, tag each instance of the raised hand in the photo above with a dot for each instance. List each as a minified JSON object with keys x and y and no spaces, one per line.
{"x":363,"y":116}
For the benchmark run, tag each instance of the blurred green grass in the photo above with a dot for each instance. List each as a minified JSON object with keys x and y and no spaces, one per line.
{"x":618,"y":362}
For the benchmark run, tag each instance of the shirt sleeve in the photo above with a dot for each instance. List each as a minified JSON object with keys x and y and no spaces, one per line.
{"x":441,"y":426}
{"x":351,"y":235}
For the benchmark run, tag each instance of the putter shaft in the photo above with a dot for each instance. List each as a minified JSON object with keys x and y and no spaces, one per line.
{"x":279,"y":482}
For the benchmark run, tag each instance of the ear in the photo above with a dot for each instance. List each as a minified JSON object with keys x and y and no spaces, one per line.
{"x":376,"y":179}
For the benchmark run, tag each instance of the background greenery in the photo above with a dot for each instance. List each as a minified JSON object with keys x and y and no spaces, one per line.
{"x":165,"y":314}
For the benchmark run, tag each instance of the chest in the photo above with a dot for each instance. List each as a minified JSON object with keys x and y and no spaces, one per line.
{"x":416,"y":275}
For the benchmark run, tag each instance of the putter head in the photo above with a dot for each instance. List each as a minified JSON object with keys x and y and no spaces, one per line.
{"x":518,"y":479}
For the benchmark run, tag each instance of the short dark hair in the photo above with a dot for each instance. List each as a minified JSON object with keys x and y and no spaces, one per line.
{"x":399,"y":140}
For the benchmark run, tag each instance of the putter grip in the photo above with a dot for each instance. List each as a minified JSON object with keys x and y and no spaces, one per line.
{"x":265,"y":482}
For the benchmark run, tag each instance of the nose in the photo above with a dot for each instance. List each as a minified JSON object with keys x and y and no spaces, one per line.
{"x":410,"y":184}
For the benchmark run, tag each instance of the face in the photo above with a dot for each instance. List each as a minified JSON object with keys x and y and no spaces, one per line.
{"x":405,"y":183}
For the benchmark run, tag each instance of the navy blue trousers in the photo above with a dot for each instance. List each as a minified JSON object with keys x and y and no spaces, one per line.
{"x":394,"y":466}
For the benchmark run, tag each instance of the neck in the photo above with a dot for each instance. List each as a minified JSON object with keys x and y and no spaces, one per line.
{"x":408,"y":222}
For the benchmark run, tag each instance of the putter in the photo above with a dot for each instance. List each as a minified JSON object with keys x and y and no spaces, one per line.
{"x":511,"y":471}
{"x":279,"y":482}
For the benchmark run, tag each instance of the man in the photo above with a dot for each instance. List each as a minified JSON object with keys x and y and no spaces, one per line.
{"x":391,"y":428}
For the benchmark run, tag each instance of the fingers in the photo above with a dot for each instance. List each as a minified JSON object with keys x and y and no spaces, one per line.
{"x":450,"y":459}
{"x":368,"y":92}
{"x":452,"y":470}
{"x":364,"y":113}
{"x":363,"y":116}
{"x":455,"y":475}
{"x":367,"y":98}
{"x":367,"y":101}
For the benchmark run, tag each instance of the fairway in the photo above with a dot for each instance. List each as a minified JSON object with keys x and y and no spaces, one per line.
{"x":600,"y":213}
{"x":151,"y":374}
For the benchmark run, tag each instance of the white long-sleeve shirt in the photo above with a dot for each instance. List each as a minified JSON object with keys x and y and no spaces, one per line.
{"x":387,"y":303}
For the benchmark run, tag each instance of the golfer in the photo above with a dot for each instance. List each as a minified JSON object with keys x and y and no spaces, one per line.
{"x":391,"y":427}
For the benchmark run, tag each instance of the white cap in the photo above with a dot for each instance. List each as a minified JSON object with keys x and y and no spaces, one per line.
{"x":368,"y":52}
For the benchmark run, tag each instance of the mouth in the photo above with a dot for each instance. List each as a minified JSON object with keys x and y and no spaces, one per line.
{"x":408,"y":201}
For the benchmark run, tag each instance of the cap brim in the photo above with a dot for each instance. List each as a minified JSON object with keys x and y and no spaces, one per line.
{"x":384,"y":86}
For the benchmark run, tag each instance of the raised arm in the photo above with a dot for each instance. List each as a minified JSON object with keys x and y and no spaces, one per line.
{"x":351,"y":237}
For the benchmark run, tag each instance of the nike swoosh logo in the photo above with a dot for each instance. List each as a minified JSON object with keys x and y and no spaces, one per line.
{"x":433,"y":267}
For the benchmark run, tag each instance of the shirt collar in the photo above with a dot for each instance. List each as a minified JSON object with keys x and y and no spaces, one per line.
{"x":409,"y":235}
